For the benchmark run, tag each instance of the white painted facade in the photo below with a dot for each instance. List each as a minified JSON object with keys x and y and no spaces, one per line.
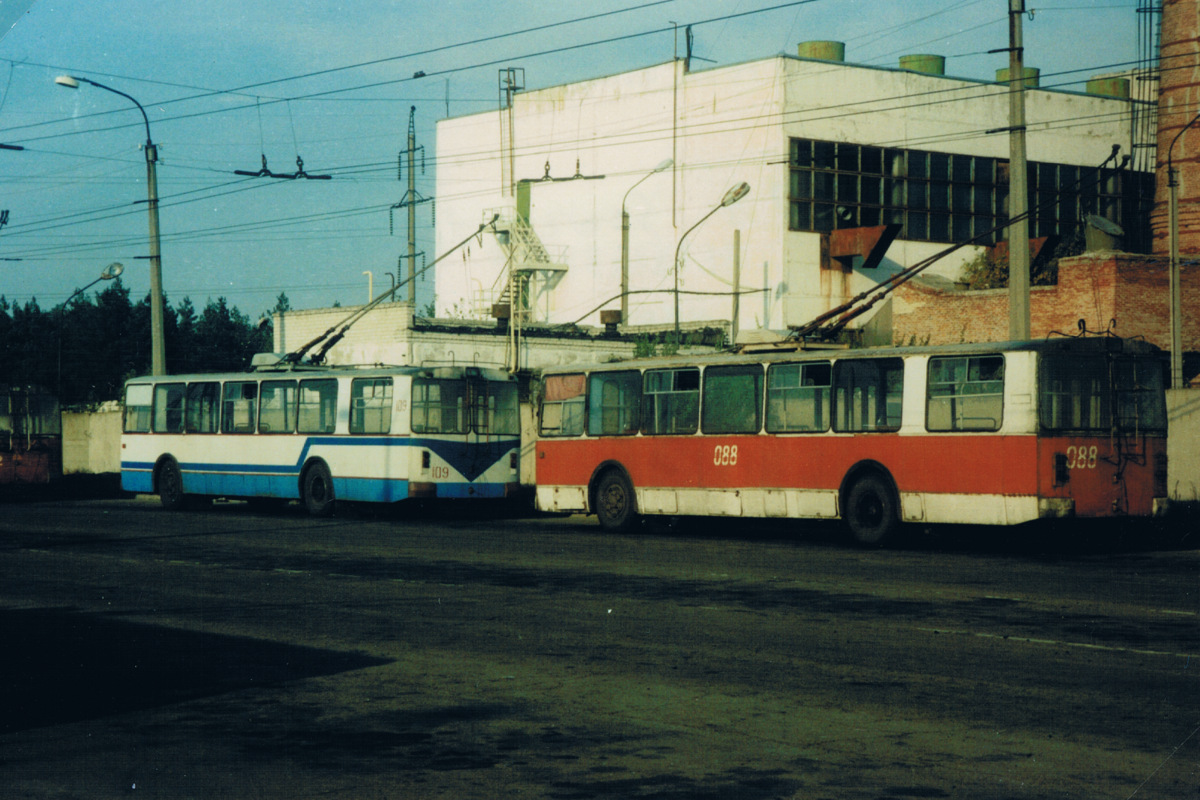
{"x":720,"y":126}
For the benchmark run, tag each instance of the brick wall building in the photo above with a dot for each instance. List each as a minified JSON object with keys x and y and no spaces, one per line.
{"x":1127,"y":288}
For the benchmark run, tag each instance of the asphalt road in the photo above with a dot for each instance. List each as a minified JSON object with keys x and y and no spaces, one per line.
{"x":240,"y":653}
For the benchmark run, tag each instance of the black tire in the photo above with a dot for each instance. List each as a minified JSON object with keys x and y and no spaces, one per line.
{"x":170,"y":486}
{"x":316,"y":490}
{"x":871,"y":514}
{"x":616,"y":504}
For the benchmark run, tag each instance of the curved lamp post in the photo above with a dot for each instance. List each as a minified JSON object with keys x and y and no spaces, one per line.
{"x":664,"y":164}
{"x":158,"y":358}
{"x":734,"y":194}
{"x":1176,"y":302}
{"x":107,"y":274}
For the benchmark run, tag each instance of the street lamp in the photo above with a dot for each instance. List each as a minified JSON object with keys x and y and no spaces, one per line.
{"x":107,"y":274}
{"x":732,"y":196}
{"x":664,"y":164}
{"x":158,"y":358}
{"x":1176,"y":302}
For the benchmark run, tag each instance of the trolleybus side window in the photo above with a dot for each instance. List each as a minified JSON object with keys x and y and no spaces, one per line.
{"x":239,"y":407}
{"x":798,"y":397}
{"x":318,"y":406}
{"x":671,"y":401}
{"x":732,"y":399}
{"x":965,"y":393}
{"x":203,"y":407}
{"x":563,"y":405}
{"x":614,"y":402}
{"x":867,"y":394}
{"x":496,"y":408}
{"x":168,"y":408}
{"x":277,"y":407}
{"x":139,"y":398}
{"x":371,"y":405}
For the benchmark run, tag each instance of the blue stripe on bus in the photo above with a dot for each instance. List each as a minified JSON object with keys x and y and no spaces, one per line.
{"x":277,"y":480}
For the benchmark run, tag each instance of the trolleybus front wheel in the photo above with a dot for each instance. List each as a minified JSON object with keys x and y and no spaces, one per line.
{"x":317,"y":490}
{"x":616,"y":504}
{"x":170,"y":486}
{"x":871,"y":513}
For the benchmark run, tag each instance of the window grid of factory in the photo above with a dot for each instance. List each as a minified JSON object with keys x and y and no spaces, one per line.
{"x":949,"y":197}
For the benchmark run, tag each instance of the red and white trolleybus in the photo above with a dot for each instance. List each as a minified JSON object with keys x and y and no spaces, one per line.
{"x":1000,"y":433}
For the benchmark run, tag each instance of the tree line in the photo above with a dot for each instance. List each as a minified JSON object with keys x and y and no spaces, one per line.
{"x":85,"y":350}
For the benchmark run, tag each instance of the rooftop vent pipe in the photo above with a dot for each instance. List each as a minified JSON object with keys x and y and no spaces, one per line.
{"x":924,"y":63}
{"x":1109,"y":87}
{"x":1031,"y":76}
{"x":823,"y":50}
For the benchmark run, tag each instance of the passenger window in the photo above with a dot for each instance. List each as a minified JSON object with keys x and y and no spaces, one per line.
{"x":563,"y":405}
{"x":318,"y":406}
{"x":371,"y":405}
{"x":168,"y":408}
{"x":798,"y":397}
{"x":867,"y":394}
{"x":139,"y":399}
{"x":965,"y":394}
{"x":277,"y":407}
{"x":671,"y":401}
{"x":203,"y":407}
{"x":614,"y":403}
{"x":239,"y":407}
{"x":732,"y":399}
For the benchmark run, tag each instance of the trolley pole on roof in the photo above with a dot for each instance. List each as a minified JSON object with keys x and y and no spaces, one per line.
{"x":1018,"y":181}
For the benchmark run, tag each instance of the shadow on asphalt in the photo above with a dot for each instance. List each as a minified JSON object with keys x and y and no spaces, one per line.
{"x":1048,"y":539}
{"x":66,"y":666}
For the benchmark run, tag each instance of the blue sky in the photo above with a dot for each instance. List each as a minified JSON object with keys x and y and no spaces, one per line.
{"x":224,"y":83}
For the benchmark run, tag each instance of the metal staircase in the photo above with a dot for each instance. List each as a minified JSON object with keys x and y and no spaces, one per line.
{"x":532,"y":268}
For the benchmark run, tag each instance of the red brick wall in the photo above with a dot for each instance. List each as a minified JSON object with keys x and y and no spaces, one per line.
{"x":1130,"y":289}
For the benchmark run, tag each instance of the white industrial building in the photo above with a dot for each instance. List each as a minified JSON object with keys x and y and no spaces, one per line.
{"x":825,"y":146}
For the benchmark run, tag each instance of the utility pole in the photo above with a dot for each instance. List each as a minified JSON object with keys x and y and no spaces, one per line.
{"x":1018,"y":181}
{"x":412,"y":198}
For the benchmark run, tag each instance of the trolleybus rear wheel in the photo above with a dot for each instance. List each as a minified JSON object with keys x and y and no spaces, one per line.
{"x":170,"y":486}
{"x":616,"y":504}
{"x":317,"y":490}
{"x":871,"y":511}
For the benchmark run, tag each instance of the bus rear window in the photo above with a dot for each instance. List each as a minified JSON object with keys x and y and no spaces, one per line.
{"x":497,"y":408}
{"x":563,"y":405}
{"x":614,"y":403}
{"x":1084,"y":393}
{"x":965,"y":394}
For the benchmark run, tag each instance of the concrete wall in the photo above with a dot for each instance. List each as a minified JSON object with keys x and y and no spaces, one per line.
{"x":92,"y":441}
